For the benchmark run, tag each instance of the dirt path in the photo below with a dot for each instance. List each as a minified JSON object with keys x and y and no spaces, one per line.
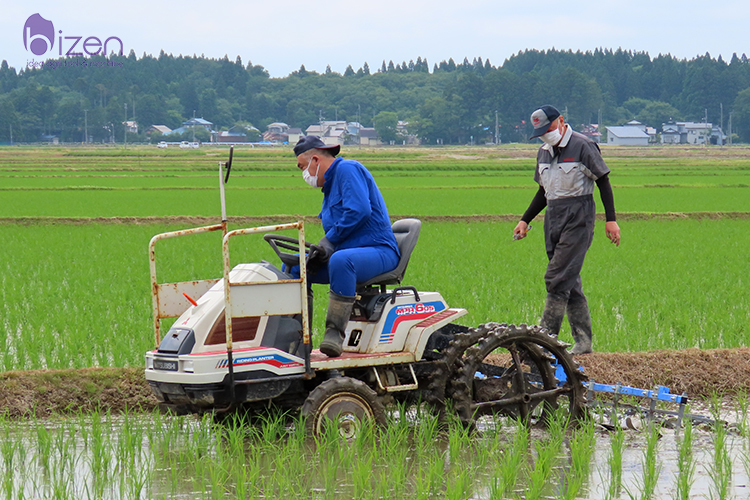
{"x":699,"y":373}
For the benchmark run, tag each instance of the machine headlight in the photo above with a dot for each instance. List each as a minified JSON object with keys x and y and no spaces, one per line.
{"x":149,"y":363}
{"x":187,"y":365}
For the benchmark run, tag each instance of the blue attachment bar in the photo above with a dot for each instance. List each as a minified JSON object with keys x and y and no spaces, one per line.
{"x":662,"y":393}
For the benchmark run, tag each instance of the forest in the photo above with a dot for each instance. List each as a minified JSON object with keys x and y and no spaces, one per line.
{"x":448,"y":102}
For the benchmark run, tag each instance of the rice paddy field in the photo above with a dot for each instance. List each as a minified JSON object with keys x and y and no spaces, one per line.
{"x":74,"y":293}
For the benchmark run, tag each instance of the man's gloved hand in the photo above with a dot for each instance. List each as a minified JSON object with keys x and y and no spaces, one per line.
{"x":319,"y":254}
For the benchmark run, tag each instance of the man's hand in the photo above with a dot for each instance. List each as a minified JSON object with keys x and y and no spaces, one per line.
{"x":520,"y":231}
{"x":319,"y":254}
{"x":613,"y":232}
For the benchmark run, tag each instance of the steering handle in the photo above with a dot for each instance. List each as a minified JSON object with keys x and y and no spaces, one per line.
{"x":279,"y":242}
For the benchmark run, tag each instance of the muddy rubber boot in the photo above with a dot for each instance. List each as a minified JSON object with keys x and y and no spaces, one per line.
{"x":580,"y":326}
{"x":554,"y":312}
{"x":339,"y":311}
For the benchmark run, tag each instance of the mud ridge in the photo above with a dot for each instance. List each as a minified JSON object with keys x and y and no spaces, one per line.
{"x":699,"y":373}
{"x":275,"y":219}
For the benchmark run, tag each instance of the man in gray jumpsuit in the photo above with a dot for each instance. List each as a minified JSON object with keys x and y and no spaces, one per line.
{"x":568,"y":166}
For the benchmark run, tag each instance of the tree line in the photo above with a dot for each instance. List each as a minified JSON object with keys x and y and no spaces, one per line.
{"x":450,"y":102}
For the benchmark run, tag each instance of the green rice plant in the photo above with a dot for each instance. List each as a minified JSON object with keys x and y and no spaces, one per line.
{"x":8,"y":447}
{"x":459,"y":483}
{"x":742,"y":407}
{"x":686,"y":463}
{"x":547,"y":450}
{"x":617,"y":442}
{"x":650,"y":465}
{"x":720,"y":468}
{"x":361,"y":472}
{"x":509,"y":465}
{"x":582,"y":443}
{"x":43,"y":444}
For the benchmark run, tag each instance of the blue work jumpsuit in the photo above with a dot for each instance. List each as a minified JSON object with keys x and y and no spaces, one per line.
{"x":355,"y":220}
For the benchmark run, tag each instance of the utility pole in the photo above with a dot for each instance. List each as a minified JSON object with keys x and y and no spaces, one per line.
{"x":125,"y":134}
{"x":85,"y":126}
{"x":11,"y":134}
{"x":497,"y":130}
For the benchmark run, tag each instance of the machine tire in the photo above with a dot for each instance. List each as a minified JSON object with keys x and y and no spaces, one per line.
{"x":347,"y":402}
{"x":521,"y":353}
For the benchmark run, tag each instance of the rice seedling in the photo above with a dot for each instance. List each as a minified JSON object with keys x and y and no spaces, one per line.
{"x":617,"y":442}
{"x":509,"y":464}
{"x":581,"y":444}
{"x":686,"y":463}
{"x":720,"y":468}
{"x":650,"y":465}
{"x":547,"y":450}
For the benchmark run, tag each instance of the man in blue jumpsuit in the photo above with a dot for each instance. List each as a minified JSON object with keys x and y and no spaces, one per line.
{"x":568,"y":166}
{"x":358,"y":244}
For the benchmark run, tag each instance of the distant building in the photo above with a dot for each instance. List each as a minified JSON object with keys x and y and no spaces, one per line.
{"x":626,"y":136}
{"x":331,"y":132}
{"x":277,"y":132}
{"x":131,"y":126}
{"x":162,"y":129}
{"x":294,"y":135}
{"x":592,"y":132}
{"x":368,"y":137}
{"x":193,"y":124}
{"x":692,"y":133}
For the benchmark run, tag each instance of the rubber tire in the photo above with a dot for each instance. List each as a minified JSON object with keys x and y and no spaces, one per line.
{"x":343,"y":399}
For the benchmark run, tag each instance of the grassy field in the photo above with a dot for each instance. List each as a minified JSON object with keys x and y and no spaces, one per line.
{"x":77,"y":295}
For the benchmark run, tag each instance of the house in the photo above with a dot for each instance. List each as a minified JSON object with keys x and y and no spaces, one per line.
{"x":626,"y":136}
{"x":193,"y":124}
{"x":592,"y":132}
{"x":368,"y":137}
{"x":294,"y":134}
{"x":233,"y":135}
{"x":691,"y":133}
{"x":277,"y":132}
{"x":199,"y":122}
{"x":330,"y":132}
{"x":403,"y":133}
{"x":670,"y":133}
{"x":162,"y":129}
{"x":131,"y":126}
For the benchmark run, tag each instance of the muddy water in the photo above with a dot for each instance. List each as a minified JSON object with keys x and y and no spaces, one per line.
{"x":148,"y":456}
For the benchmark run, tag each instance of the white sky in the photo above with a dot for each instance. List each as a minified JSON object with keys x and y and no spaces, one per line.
{"x":283,"y":35}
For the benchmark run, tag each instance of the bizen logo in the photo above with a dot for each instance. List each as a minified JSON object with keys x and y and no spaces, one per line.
{"x":414,"y":309}
{"x":39,"y":38}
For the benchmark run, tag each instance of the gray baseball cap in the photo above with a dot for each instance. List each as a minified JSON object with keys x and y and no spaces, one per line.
{"x":541,"y":119}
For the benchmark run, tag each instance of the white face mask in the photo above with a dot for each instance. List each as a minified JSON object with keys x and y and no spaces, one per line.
{"x":312,"y":180}
{"x":552,"y":137}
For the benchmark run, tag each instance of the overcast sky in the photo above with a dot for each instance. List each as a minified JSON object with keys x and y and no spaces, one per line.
{"x":285,"y":34}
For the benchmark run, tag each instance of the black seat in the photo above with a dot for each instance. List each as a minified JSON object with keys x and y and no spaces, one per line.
{"x":406,"y":232}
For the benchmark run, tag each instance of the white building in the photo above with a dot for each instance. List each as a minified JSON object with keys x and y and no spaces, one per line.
{"x":627,"y":136}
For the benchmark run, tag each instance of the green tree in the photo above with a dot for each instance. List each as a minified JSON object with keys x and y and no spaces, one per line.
{"x":386,"y":125}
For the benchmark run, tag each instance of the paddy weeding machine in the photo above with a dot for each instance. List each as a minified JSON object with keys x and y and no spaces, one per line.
{"x":243,"y":340}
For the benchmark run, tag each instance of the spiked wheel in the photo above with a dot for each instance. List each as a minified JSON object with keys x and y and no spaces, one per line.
{"x":512,"y":372}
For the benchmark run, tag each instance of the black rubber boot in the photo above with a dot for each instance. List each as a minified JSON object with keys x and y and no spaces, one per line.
{"x":339,"y":311}
{"x":554,"y":312}
{"x":580,"y":326}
